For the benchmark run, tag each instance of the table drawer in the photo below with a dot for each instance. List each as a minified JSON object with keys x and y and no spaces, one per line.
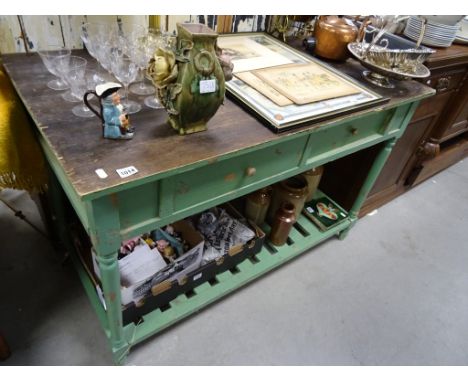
{"x":354,"y":134}
{"x":236,"y":175}
{"x":443,"y":82}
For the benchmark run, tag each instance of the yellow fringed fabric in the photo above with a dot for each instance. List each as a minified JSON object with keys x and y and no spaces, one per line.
{"x":22,"y":164}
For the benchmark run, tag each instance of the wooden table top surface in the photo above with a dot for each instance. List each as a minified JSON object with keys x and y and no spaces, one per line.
{"x":156,"y":148}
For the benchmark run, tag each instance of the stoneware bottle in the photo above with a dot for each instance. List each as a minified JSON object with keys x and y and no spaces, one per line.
{"x":256,"y":205}
{"x":313,"y":177}
{"x":282,"y":223}
{"x":292,"y":190}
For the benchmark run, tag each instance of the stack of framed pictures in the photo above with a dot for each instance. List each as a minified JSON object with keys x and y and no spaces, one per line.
{"x":287,"y":88}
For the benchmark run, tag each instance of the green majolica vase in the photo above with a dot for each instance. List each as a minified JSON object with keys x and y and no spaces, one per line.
{"x":190,"y":78}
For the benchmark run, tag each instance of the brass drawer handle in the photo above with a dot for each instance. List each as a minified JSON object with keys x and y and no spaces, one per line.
{"x":250,"y":171}
{"x":442,"y":84}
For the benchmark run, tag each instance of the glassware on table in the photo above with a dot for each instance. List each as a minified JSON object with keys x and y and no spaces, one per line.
{"x":80,"y":81}
{"x":48,"y":54}
{"x":125,"y":70}
{"x":63,"y":68}
{"x":141,"y":53}
{"x":98,"y":39}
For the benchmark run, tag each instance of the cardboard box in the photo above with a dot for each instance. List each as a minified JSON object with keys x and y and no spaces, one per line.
{"x":164,"y":292}
{"x":176,"y":272}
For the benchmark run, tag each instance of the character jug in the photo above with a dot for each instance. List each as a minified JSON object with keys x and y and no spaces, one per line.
{"x":114,"y":118}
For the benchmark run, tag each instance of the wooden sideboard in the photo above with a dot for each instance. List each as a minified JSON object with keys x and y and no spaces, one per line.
{"x":436,"y":138}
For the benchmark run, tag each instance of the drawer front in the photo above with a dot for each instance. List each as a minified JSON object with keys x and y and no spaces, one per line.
{"x":348,"y":137}
{"x":431,"y":106}
{"x":236,"y":176}
{"x":447,"y":81}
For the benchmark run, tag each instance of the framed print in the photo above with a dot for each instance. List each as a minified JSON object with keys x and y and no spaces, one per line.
{"x":260,"y":60}
{"x":306,"y":83}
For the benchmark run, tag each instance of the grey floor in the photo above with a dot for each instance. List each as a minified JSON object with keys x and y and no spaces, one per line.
{"x":395,"y":292}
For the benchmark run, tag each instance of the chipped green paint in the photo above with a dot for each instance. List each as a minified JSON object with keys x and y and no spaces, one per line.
{"x":139,"y":206}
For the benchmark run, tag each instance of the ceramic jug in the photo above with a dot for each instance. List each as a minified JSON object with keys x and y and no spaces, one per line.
{"x":114,"y":119}
{"x":190,"y":79}
{"x":284,"y":219}
{"x":292,"y":190}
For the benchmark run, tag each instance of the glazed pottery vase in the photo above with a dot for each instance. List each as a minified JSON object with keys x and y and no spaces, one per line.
{"x":292,"y":190}
{"x":313,"y":177}
{"x":256,"y":205}
{"x":189,"y":79}
{"x":282,"y":223}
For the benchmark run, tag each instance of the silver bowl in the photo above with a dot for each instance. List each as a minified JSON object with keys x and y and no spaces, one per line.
{"x":399,"y":64}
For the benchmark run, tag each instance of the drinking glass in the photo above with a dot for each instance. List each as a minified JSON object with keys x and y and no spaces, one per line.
{"x":98,"y":40}
{"x":125,"y":70}
{"x":81,"y":81}
{"x":64,"y":67}
{"x":48,"y":54}
{"x":141,"y":54}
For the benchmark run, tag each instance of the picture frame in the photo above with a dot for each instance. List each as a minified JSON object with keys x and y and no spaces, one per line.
{"x":251,"y":52}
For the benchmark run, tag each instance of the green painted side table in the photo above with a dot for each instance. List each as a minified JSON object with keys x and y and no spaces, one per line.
{"x":182,"y":175}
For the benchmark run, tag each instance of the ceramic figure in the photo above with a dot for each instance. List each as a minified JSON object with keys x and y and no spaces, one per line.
{"x":115,"y":121}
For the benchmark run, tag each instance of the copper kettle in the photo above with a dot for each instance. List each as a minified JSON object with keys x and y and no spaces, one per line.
{"x":332,"y":36}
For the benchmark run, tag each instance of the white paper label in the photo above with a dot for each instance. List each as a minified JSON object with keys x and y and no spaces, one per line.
{"x":207,"y":86}
{"x":127,"y":171}
{"x":101,"y":173}
{"x":197,"y":276}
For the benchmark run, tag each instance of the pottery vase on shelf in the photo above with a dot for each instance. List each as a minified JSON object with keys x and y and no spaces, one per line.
{"x":282,"y":223}
{"x":256,"y":205}
{"x":292,"y":190}
{"x":190,"y":79}
{"x":313,"y":177}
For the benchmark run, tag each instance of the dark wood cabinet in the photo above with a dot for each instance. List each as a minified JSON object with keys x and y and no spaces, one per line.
{"x":436,"y":138}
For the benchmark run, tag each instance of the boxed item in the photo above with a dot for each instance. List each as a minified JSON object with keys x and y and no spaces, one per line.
{"x":218,"y":258}
{"x":144,"y":268}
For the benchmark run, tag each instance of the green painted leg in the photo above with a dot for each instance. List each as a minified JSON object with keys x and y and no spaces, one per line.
{"x":110,"y":279}
{"x":374,"y":172}
{"x":57,"y":202}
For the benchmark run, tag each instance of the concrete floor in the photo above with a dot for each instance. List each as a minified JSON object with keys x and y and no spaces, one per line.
{"x":393,"y":293}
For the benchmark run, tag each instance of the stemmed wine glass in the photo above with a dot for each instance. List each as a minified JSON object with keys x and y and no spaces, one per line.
{"x":81,"y":81}
{"x":125,"y":70}
{"x":98,"y":39}
{"x":49,"y":54}
{"x":63,"y":68}
{"x":141,"y":53}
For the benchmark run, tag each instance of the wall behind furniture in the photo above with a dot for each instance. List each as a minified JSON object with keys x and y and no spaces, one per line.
{"x":26,"y":33}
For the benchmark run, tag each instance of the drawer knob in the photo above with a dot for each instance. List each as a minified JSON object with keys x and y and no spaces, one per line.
{"x":250,"y":171}
{"x":353,"y":130}
{"x":442,"y":84}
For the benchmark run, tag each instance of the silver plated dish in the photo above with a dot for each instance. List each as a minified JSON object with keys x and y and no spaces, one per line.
{"x":398,"y":64}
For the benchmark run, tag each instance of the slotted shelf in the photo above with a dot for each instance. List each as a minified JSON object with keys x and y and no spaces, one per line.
{"x":303,"y":236}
